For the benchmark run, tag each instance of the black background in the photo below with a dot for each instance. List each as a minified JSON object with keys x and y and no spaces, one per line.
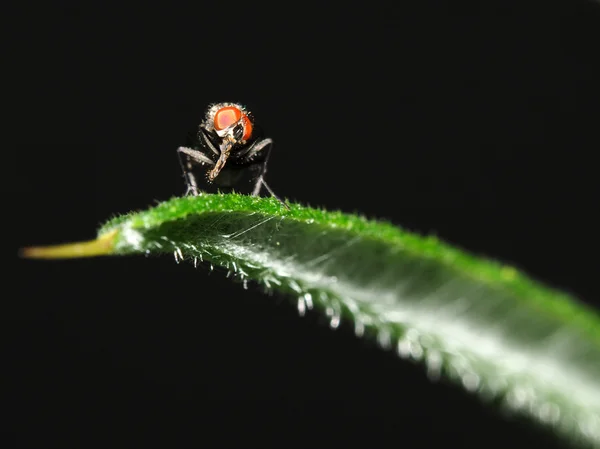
{"x":474,"y":121}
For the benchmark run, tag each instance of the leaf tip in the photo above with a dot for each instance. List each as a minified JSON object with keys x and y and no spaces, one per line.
{"x":101,"y":246}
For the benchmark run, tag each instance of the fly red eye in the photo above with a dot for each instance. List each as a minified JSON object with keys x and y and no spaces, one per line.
{"x":247,"y":127}
{"x":230,"y":115}
{"x":226,"y":117}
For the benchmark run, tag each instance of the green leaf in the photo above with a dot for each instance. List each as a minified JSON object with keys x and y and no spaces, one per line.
{"x":482,"y":324}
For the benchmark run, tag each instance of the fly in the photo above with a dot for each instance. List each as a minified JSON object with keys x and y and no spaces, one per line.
{"x":231,"y":149}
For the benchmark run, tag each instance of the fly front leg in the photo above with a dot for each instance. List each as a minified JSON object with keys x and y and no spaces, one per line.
{"x":273,"y":194}
{"x":257,"y":150}
{"x":188,"y":157}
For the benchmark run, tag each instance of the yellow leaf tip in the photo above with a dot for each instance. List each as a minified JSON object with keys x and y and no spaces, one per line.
{"x":101,"y":246}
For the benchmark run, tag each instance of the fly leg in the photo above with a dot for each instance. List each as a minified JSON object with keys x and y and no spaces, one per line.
{"x":187,"y":164}
{"x":264,"y":146}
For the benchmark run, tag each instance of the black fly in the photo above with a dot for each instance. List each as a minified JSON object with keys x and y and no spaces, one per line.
{"x":232,"y":149}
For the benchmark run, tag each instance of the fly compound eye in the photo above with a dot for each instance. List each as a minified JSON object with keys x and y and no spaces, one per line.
{"x":229,"y":116}
{"x":247,"y":127}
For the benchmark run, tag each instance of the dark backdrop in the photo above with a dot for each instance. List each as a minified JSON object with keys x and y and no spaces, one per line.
{"x":474,"y":121}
